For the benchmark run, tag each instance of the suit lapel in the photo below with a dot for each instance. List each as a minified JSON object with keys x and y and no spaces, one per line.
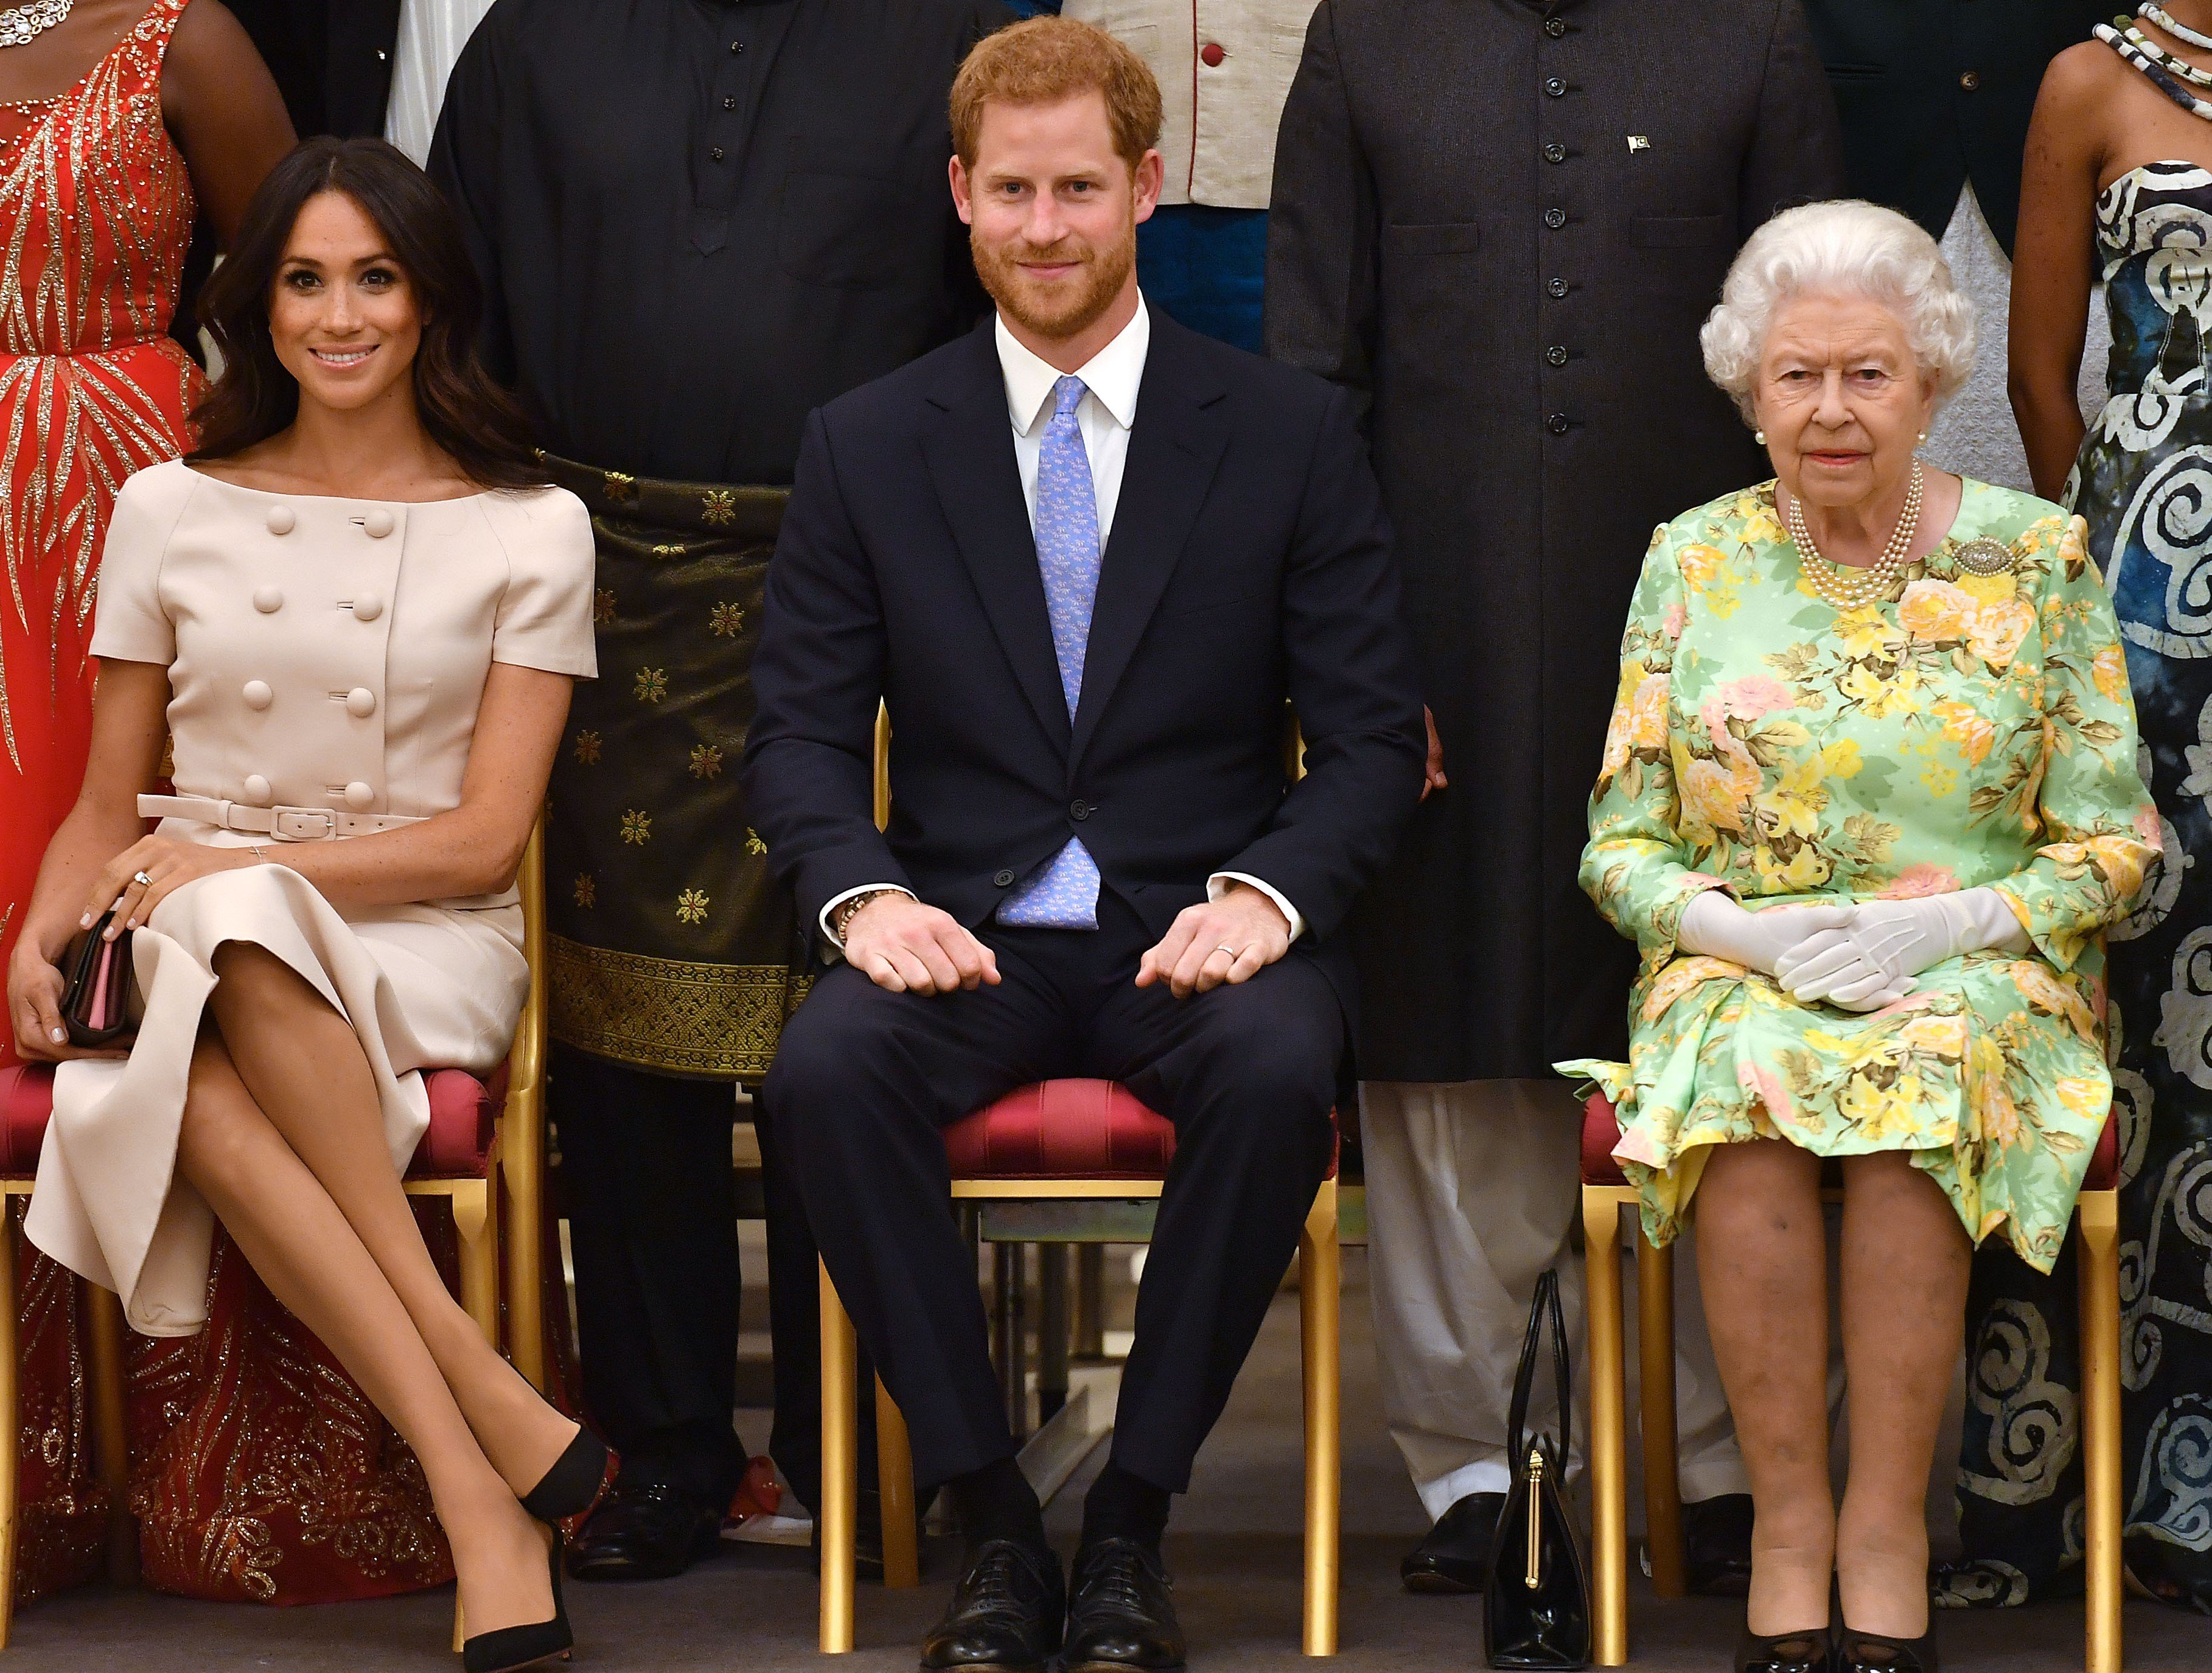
{"x":1175,"y":446}
{"x":971,"y":457}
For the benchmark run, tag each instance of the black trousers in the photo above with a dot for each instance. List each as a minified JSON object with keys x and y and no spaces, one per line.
{"x":652,"y":1205}
{"x":865,"y":1079}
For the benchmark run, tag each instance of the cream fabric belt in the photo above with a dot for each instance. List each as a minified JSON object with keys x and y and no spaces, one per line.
{"x":284,"y":825}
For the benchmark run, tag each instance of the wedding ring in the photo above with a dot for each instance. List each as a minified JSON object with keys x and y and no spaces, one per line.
{"x":1230,"y":950}
{"x":141,"y":879}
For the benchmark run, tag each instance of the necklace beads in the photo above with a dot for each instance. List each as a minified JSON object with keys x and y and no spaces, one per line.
{"x":1841,"y":587}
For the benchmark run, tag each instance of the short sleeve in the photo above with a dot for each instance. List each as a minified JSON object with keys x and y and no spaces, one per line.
{"x":129,"y":624}
{"x":544,"y":618}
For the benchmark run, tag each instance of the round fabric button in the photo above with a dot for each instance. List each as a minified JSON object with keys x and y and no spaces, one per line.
{"x":1557,"y":423}
{"x":1555,"y":218}
{"x":257,"y":694}
{"x":1557,"y":287}
{"x":258,"y":792}
{"x":1555,"y":26}
{"x":282,"y":519}
{"x":1556,"y":354}
{"x":379,"y":523}
{"x":368,"y":607}
{"x":1211,"y":54}
{"x":268,"y":600}
{"x":359,"y":797}
{"x":1556,"y":86}
{"x":1004,"y":879}
{"x":360,"y":702}
{"x":1555,"y":152}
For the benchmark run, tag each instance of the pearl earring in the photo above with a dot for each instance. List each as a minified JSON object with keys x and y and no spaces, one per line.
{"x":1759,"y":437}
{"x":1924,"y":436}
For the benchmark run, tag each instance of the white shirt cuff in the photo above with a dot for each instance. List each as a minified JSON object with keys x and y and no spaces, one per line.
{"x":829,"y":936}
{"x":1218,"y":886}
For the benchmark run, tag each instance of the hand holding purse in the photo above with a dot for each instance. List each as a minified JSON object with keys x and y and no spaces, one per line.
{"x":1537,"y":1612}
{"x":95,"y":1009}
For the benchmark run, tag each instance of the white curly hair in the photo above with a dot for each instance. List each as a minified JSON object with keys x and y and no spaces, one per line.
{"x":1848,"y":248}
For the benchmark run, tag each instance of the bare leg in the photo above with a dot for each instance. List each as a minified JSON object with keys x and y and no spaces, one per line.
{"x":304,"y":1069}
{"x":1905,"y":1270}
{"x":297,"y":1239}
{"x":1763,"y":1270}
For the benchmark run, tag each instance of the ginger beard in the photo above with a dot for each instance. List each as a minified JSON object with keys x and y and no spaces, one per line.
{"x":1069,"y":307}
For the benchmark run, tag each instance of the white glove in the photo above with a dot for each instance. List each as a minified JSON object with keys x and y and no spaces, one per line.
{"x":1870,"y":962}
{"x":1717,"y":925}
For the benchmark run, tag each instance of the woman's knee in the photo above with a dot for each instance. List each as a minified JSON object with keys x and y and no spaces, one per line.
{"x":217,"y":1135}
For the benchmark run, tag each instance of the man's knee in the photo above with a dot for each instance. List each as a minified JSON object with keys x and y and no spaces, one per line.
{"x":1272,"y":1056}
{"x":836,"y":1042}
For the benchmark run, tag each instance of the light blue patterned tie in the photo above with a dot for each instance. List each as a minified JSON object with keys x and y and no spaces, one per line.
{"x":1065,"y":894}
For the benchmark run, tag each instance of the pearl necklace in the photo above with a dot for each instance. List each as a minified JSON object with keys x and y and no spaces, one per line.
{"x":1876,"y":582}
{"x":21,"y":25}
{"x":2156,"y":12}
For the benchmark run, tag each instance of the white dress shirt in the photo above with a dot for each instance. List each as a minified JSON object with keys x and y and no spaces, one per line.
{"x":1111,"y":379}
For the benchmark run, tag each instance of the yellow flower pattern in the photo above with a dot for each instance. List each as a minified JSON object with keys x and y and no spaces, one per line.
{"x":691,"y":906}
{"x":706,"y":761}
{"x":1977,"y":733}
{"x":636,"y":827}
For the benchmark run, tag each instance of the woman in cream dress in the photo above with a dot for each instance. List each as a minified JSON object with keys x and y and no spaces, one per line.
{"x":358,"y":623}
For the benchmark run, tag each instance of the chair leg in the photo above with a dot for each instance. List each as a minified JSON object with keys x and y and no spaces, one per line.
{"x":1321,"y":1275}
{"x":479,"y":1240}
{"x":111,"y":1436}
{"x":840,"y":1447}
{"x":2099,"y":1284}
{"x":894,"y":1493}
{"x":522,"y":1173}
{"x":1662,"y":1485}
{"x":11,"y":1424}
{"x":1609,"y":1440}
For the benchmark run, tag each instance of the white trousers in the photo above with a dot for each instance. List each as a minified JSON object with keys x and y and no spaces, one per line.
{"x":1473,"y":1190}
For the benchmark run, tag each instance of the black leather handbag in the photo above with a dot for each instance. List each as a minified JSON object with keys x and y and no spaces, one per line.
{"x":1537,"y":1614}
{"x":95,"y":1009}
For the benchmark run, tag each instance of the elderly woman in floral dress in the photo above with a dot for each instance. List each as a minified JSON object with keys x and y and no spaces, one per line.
{"x":1868,"y":798}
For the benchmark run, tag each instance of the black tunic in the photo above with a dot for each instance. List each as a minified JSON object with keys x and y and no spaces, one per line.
{"x":1503,"y":221}
{"x":701,"y":219}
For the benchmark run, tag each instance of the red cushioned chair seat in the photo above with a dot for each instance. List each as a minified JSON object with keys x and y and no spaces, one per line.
{"x":1601,"y":1131}
{"x":463,"y":1109}
{"x":1066,"y":1129}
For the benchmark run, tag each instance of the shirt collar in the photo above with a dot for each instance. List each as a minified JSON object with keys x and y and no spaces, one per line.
{"x":1113,"y":374}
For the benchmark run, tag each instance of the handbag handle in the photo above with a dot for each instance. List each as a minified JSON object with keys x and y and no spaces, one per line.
{"x":1545,"y":1306}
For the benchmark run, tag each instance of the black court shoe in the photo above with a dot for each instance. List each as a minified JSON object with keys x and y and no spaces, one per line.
{"x":1870,"y":1652}
{"x":533,"y":1644}
{"x":572,"y":1484}
{"x":1807,"y":1652}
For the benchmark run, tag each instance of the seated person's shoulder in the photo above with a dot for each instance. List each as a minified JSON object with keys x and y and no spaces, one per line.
{"x":544,"y":524}
{"x":2027,"y":524}
{"x":2078,"y":86}
{"x":159,"y":491}
{"x":1740,"y":516}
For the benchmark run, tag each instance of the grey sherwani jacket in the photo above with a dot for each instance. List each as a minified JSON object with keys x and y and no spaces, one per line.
{"x":1500,"y":223}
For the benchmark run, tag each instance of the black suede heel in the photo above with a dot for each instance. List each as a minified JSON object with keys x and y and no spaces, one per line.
{"x":1870,"y":1652}
{"x":573,"y":1482}
{"x":1785,"y":1652}
{"x":533,"y":1644}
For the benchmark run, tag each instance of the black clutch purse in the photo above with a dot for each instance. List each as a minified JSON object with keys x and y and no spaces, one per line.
{"x":96,"y":1008}
{"x":1537,"y":1613}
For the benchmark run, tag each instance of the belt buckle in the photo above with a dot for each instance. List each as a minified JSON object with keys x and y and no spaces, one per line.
{"x":304,"y":825}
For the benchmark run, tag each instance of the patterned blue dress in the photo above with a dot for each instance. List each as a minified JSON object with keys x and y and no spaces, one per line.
{"x":2144,"y":482}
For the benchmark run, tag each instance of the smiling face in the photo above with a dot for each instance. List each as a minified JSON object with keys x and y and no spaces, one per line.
{"x":342,"y":316}
{"x":1841,"y":399}
{"x":1052,"y":211}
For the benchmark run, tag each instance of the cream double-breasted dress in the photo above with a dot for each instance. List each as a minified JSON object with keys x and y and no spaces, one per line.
{"x":322,"y":655}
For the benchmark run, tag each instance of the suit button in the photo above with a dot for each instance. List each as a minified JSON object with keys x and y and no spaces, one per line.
{"x":1555,"y":152}
{"x":257,"y":694}
{"x":1556,"y":88}
{"x":1555,"y":26}
{"x":360,"y":702}
{"x":1557,"y":287}
{"x":1004,"y":879}
{"x":258,"y":792}
{"x":714,"y":153}
{"x":1211,"y":54}
{"x":379,"y":523}
{"x":282,"y":519}
{"x":268,"y":600}
{"x":1555,"y":218}
{"x":359,"y":797}
{"x":1078,"y":810}
{"x":368,"y":607}
{"x":1557,"y":423}
{"x":1556,"y":354}
{"x":1970,"y":80}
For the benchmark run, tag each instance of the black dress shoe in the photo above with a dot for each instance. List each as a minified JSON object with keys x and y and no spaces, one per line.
{"x":1870,"y":1652}
{"x":1788,"y":1653}
{"x":648,"y":1531}
{"x":1716,"y":1546}
{"x":1121,"y":1611}
{"x":1455,"y":1558}
{"x":1007,"y":1613}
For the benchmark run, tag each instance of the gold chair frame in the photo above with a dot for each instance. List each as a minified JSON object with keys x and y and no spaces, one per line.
{"x":1321,"y":1267}
{"x":2097,"y":1227}
{"x":516,"y":1165}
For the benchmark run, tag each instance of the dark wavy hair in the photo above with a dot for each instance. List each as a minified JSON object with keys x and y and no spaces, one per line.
{"x":480,"y":426}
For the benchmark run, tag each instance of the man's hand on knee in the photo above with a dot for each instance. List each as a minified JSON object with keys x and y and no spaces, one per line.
{"x":1231,"y":940}
{"x":898,"y":943}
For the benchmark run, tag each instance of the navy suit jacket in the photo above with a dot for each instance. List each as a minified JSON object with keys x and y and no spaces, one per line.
{"x":1249,"y":563}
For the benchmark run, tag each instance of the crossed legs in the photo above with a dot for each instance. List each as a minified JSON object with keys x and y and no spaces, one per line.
{"x":282,"y":1136}
{"x":1762,"y":1261}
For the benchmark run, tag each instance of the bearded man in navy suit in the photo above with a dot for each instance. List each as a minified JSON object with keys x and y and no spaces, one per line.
{"x":1086,"y":557}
